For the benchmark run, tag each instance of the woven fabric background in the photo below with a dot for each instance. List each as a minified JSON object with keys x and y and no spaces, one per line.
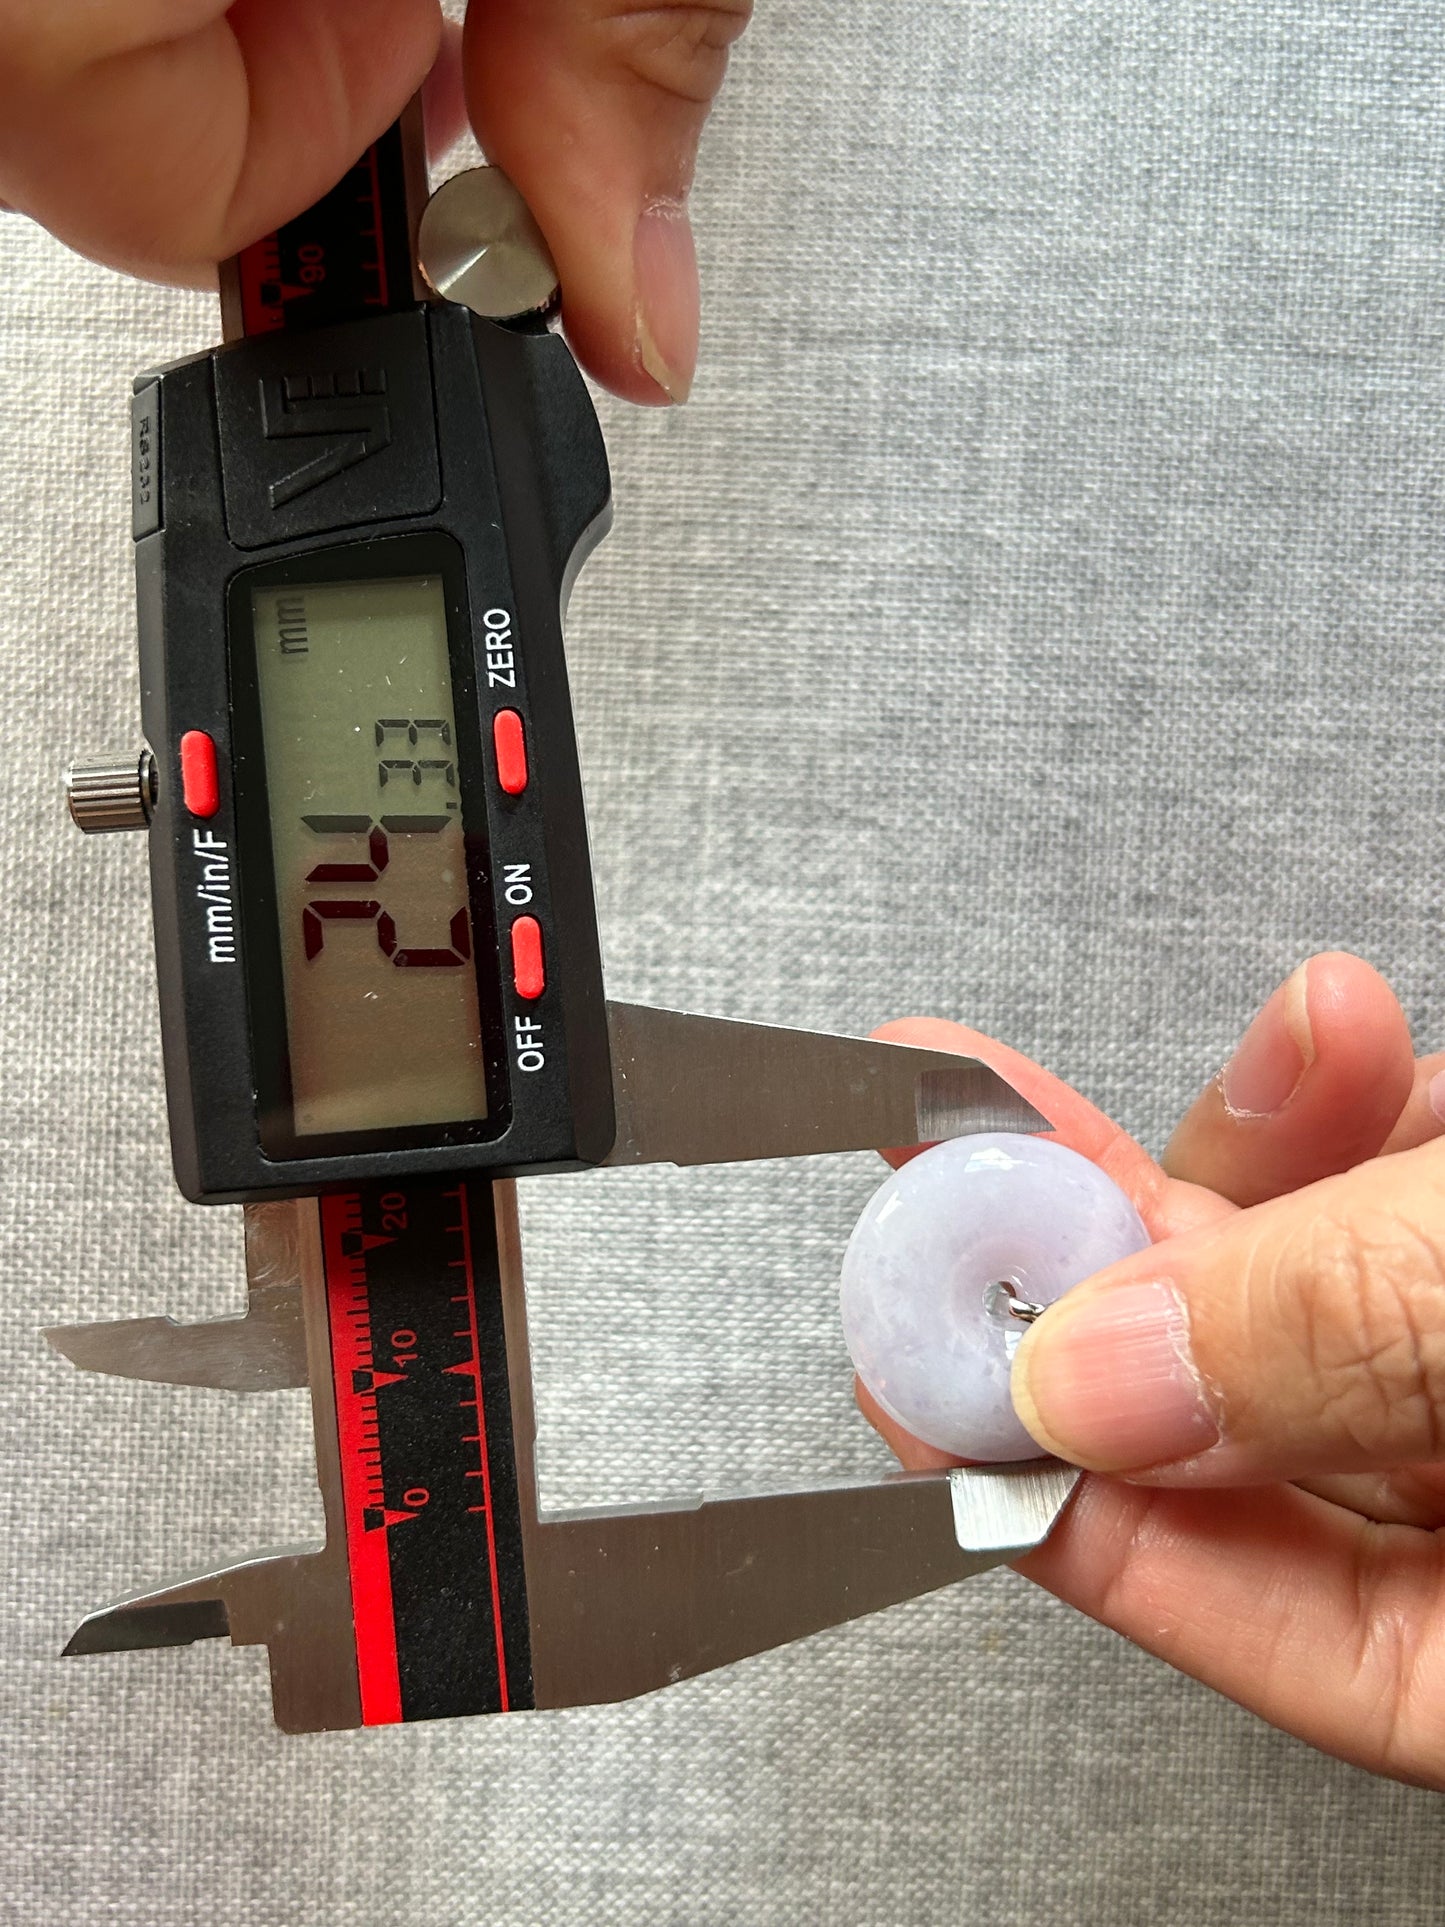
{"x":1035,"y":617}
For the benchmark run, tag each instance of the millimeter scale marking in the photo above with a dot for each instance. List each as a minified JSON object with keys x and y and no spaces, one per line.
{"x":395,"y":1401}
{"x":473,"y":1365}
{"x":341,"y":259}
{"x":362,"y":1485}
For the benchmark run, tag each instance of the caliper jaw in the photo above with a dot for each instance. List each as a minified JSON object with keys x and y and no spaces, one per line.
{"x":295,"y":1603}
{"x":617,"y":1602}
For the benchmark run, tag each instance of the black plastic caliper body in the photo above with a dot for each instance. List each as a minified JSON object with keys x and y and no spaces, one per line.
{"x":375,"y":930}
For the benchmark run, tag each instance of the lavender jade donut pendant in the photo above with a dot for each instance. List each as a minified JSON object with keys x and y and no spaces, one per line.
{"x":949,"y":1262}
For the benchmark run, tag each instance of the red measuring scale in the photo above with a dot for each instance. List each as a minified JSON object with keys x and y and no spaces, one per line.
{"x":347,"y":256}
{"x":428,"y":1514}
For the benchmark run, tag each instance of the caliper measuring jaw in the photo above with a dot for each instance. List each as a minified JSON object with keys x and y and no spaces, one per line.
{"x":539,"y":1608}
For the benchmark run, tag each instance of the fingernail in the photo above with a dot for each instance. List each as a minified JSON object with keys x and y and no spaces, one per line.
{"x":664,"y":262}
{"x":1273,"y":1055}
{"x":1108,"y":1380}
{"x":1435,"y":1091}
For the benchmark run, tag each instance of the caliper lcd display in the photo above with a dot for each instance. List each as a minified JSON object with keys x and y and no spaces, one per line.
{"x":372,"y":904}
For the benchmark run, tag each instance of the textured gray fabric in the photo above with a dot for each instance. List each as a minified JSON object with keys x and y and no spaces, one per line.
{"x":1034,"y":617}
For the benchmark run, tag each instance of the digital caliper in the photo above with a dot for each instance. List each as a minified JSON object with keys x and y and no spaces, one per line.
{"x":381,"y":991}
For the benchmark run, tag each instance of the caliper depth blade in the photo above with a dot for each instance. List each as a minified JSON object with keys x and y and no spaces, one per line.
{"x":712,"y":1090}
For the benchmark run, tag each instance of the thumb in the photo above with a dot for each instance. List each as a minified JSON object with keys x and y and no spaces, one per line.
{"x":1304,"y":1336}
{"x":1319,"y":1081}
{"x":595,"y":110}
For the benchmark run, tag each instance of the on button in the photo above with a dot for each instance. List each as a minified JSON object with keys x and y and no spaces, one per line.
{"x":527,"y":971}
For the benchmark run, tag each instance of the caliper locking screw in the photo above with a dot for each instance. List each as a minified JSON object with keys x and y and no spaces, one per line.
{"x":112,"y":792}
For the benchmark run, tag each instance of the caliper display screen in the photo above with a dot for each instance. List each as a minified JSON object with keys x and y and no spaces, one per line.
{"x":359,"y":732}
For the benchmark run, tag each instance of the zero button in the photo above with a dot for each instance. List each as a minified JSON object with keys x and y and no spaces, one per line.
{"x":511,"y":746}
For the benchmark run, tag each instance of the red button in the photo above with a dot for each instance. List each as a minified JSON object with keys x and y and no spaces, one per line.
{"x":511,"y":747}
{"x":527,"y":972}
{"x":200,"y":784}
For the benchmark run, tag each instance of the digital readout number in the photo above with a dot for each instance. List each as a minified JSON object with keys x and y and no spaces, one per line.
{"x":395,"y":772}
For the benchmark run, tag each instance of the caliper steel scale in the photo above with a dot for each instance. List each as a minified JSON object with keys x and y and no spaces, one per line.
{"x":381,"y":993}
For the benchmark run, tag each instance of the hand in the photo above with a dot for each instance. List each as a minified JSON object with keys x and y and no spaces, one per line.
{"x":1266,"y":1385}
{"x":161,"y":136}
